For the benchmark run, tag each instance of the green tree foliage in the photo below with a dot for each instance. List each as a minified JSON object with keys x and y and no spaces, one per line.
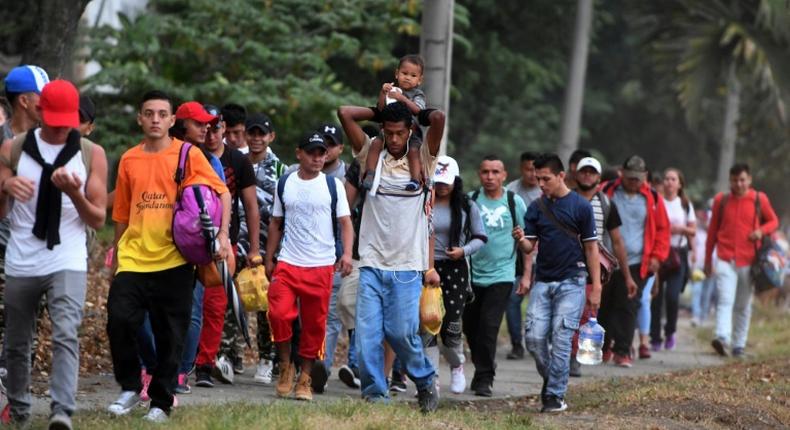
{"x":296,"y":60}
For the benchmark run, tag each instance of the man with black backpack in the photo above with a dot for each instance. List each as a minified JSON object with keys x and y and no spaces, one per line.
{"x":309,"y":209}
{"x":493,"y":270}
{"x":740,"y":221}
{"x":58,"y":182}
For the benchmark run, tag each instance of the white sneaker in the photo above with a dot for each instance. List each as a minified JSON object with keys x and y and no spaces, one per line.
{"x":223,"y":370}
{"x":125,"y":403}
{"x":264,"y":372}
{"x":457,"y":380}
{"x":156,"y":415}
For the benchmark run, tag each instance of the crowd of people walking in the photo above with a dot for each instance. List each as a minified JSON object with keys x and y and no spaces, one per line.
{"x":348,"y":249}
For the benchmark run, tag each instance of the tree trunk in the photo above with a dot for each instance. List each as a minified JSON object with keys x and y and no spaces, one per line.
{"x":574,"y":92}
{"x":729,"y":134}
{"x":48,"y":39}
{"x":436,"y":47}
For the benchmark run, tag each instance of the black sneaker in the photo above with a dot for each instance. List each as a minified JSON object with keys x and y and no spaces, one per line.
{"x":738,"y":352}
{"x":348,"y":376}
{"x":238,"y":365}
{"x":720,"y":346}
{"x":203,"y":377}
{"x":554,"y":404}
{"x":483,"y":390}
{"x":517,"y":353}
{"x":428,"y":398}
{"x":318,"y":376}
{"x":397,"y":382}
{"x":576,"y":367}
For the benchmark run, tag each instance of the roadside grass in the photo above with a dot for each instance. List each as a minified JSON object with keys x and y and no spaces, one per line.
{"x":293,"y":415}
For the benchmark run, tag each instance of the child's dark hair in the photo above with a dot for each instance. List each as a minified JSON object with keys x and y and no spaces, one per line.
{"x":233,"y":114}
{"x":156,"y":95}
{"x":396,"y":112}
{"x":413,"y":59}
{"x":550,"y":161}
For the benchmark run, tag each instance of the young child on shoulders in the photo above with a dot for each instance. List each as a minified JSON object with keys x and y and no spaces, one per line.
{"x":405,"y":89}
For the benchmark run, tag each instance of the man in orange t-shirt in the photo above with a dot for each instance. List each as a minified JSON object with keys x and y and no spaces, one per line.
{"x":151,"y":275}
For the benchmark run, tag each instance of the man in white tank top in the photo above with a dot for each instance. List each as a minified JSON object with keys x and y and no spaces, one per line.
{"x":55,"y":197}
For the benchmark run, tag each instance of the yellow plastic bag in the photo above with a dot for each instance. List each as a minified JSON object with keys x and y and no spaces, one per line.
{"x":253,"y":288}
{"x":431,"y":309}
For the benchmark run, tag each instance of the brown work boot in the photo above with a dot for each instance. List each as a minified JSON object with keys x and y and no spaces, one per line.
{"x":285,"y":383}
{"x":304,"y":389}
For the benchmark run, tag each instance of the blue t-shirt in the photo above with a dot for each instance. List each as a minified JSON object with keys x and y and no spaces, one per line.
{"x":633,"y":213}
{"x":560,"y":256}
{"x":496,"y":261}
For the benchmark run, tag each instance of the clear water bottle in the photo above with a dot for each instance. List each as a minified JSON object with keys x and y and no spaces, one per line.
{"x":591,"y":336}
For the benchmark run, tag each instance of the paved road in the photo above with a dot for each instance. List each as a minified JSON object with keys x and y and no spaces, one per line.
{"x":514,"y":378}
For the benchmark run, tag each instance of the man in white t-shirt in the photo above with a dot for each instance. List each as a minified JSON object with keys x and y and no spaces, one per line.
{"x":394,"y":252}
{"x":303,"y":224}
{"x":56,"y":196}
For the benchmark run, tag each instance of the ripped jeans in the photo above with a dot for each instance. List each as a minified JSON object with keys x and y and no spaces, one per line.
{"x":553,"y":314}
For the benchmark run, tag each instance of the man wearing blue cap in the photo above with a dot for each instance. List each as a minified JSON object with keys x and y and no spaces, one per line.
{"x":23,"y":87}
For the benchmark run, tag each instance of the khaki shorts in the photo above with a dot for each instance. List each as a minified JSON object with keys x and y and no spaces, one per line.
{"x":347,"y":297}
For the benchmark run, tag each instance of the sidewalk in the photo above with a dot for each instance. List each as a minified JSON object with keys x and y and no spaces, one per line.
{"x":514,"y":378}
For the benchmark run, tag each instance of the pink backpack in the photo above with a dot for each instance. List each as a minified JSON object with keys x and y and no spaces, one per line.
{"x":193,"y":239}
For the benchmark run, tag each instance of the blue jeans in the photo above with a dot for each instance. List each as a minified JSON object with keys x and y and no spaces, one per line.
{"x":388,"y":308}
{"x":147,"y":346}
{"x":734,"y":307}
{"x":643,"y":315}
{"x":334,"y":328}
{"x":513,"y":316}
{"x":193,"y":334}
{"x":701,"y":295}
{"x":553,"y":315}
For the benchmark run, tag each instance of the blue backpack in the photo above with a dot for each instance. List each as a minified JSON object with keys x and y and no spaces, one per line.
{"x":332,"y":185}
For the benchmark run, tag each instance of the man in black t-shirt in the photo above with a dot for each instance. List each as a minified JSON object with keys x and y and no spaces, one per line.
{"x":240,"y":179}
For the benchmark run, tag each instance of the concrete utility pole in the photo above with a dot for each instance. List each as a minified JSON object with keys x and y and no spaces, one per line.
{"x":574,"y":92}
{"x":436,"y":47}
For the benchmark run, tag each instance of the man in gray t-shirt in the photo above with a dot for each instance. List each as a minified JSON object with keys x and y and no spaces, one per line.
{"x":527,"y":188}
{"x":393,"y":251}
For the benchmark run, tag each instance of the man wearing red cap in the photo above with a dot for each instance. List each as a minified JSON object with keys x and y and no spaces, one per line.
{"x":59,"y":190}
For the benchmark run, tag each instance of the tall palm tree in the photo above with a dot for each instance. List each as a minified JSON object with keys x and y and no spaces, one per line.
{"x":712,"y":51}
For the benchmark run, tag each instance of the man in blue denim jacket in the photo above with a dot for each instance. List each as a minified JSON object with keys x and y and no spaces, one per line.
{"x":563,"y":223}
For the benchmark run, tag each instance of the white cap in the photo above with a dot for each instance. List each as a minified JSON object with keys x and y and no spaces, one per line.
{"x":446,"y":170}
{"x":589,"y":162}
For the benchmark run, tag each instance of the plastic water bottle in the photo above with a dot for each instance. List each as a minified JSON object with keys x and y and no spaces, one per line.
{"x":591,"y":336}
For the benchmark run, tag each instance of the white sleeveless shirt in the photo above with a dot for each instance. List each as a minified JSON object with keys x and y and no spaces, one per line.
{"x":27,"y":255}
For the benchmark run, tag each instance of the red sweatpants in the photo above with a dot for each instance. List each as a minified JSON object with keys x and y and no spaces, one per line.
{"x":312,"y":286}
{"x":214,"y":303}
{"x":586,"y":314}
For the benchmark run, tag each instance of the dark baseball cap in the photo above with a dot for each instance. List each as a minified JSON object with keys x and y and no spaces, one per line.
{"x":634,"y":167}
{"x":332,"y":132}
{"x":213,"y":110}
{"x":259,"y":120}
{"x":312,"y":140}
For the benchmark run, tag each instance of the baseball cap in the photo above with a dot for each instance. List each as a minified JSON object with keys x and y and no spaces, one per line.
{"x":194,"y":110}
{"x":87,"y":109}
{"x":589,"y":162}
{"x":26,"y":79}
{"x":634,"y":167}
{"x":312,"y":141}
{"x":333,"y":132}
{"x":60,"y":104}
{"x":446,"y":170}
{"x":259,"y":120}
{"x":213,"y":110}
